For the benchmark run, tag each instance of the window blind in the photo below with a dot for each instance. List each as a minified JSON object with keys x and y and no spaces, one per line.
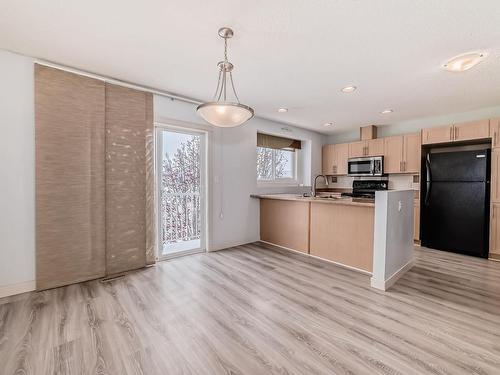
{"x":280,"y":143}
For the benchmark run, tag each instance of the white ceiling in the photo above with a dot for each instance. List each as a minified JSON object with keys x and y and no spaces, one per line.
{"x":291,"y":53}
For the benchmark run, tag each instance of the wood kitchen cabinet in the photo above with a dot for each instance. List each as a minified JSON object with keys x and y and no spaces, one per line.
{"x":439,"y":134}
{"x":375,"y":147}
{"x":416,"y":220}
{"x":402,"y":153}
{"x":495,"y":132}
{"x":371,"y":147}
{"x":412,"y":149}
{"x":357,"y":149}
{"x":327,"y":162}
{"x":495,"y":176}
{"x":457,"y":132}
{"x":471,"y":130}
{"x":495,"y":231}
{"x":393,"y":154}
{"x":341,"y":156}
{"x":334,"y":159}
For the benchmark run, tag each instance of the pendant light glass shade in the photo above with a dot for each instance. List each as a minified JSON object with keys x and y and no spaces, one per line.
{"x":225,"y":115}
{"x":221,"y":111}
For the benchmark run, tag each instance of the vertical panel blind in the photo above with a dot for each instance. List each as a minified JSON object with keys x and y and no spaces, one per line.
{"x":125,"y":179}
{"x":69,"y":138}
{"x":94,"y":168}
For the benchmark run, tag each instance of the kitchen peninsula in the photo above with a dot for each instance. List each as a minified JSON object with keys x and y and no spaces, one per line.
{"x":370,"y":236}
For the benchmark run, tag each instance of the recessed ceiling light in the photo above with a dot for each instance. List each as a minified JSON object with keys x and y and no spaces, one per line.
{"x":464,"y":62}
{"x":282,"y":110}
{"x":328,"y":124}
{"x":348,"y":89}
{"x":386,"y":111}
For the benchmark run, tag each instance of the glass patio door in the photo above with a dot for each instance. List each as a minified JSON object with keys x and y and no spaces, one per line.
{"x":181,"y":191}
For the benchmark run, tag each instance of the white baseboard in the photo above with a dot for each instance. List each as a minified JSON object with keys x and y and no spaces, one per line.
{"x":386,"y":284}
{"x":12,"y":289}
{"x":230,"y":244}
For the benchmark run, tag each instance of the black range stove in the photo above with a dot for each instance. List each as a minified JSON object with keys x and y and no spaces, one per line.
{"x":366,"y":188}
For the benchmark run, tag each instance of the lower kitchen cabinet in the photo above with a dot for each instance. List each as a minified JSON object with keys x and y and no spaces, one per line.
{"x":285,"y":223}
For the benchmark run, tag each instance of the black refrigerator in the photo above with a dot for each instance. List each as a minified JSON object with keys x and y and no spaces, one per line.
{"x":455,"y":202}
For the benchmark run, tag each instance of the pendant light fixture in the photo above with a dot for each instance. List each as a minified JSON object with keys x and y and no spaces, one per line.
{"x":222,"y":111}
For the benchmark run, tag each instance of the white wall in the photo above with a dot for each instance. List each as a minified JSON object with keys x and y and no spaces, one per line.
{"x":393,"y":237}
{"x":17,"y":200}
{"x":234,"y":216}
{"x":412,"y":126}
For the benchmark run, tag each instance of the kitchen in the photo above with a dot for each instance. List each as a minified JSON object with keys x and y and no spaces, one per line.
{"x":444,"y":218}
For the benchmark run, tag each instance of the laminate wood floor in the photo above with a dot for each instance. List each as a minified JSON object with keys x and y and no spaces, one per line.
{"x":254,"y":310}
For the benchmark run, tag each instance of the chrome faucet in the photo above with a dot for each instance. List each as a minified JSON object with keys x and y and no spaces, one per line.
{"x":313,"y":193}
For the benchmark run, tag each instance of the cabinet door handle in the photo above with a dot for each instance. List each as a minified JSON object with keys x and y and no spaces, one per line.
{"x":400,"y":166}
{"x":494,"y":138}
{"x":404,"y":165}
{"x":456,"y":133}
{"x":451,"y":133}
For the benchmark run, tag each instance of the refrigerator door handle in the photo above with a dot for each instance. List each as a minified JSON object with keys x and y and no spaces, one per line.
{"x":428,"y":180}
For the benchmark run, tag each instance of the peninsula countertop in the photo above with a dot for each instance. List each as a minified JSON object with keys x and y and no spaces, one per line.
{"x":336,"y":199}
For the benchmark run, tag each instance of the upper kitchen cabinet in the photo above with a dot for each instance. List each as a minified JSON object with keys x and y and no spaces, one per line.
{"x":357,"y":149}
{"x":411,"y":153}
{"x":439,"y":134}
{"x":341,"y":156}
{"x":375,"y":147}
{"x":334,"y":160}
{"x":402,"y":153}
{"x":471,"y":130}
{"x":458,"y":132}
{"x":393,"y":154}
{"x":494,"y":132}
{"x":371,"y":147}
{"x":328,"y":154}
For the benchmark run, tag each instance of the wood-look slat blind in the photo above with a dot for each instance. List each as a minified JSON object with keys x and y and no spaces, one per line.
{"x":70,"y":217}
{"x":281,"y":143}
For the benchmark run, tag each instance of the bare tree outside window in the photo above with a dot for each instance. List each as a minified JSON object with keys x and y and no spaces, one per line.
{"x":274,"y":164}
{"x":180,"y":192}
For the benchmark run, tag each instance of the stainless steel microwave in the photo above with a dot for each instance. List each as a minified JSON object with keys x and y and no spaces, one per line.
{"x":367,"y":166}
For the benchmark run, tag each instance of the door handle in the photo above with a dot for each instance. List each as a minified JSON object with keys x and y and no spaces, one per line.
{"x":456,"y":133}
{"x":451,"y":133}
{"x":428,"y":183}
{"x":400,"y":166}
{"x":494,"y":138}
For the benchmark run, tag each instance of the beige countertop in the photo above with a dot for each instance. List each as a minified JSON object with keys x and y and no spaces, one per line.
{"x":337,"y":200}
